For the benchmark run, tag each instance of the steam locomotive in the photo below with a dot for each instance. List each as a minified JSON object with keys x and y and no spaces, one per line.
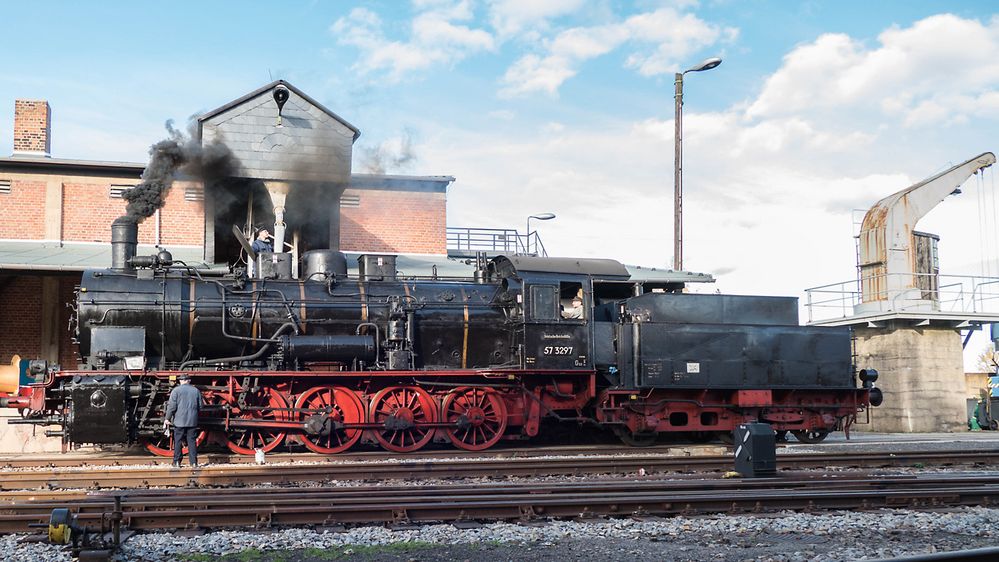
{"x":328,"y":360}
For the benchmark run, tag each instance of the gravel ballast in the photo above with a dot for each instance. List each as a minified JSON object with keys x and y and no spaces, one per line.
{"x":781,"y":537}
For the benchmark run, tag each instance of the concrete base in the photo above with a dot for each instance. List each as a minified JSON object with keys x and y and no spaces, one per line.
{"x":25,"y":438}
{"x":922,"y":377}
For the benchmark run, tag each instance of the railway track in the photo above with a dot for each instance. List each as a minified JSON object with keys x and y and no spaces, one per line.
{"x":243,"y":475}
{"x":113,"y":459}
{"x":338,"y":506}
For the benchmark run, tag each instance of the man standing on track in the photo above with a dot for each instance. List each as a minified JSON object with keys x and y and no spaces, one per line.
{"x":182,"y":412}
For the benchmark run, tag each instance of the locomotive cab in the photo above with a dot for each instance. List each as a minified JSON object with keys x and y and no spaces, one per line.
{"x":559,"y":306}
{"x":554,"y":338}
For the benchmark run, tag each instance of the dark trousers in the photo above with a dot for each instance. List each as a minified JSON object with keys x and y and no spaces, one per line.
{"x":180,"y":435}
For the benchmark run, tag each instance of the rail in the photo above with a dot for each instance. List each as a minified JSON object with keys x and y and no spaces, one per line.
{"x":41,"y":478}
{"x":343,"y":505}
{"x":956,"y":294}
{"x":468,"y":241}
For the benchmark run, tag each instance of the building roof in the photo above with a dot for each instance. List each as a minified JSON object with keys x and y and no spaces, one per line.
{"x":45,"y":256}
{"x":399,"y":183}
{"x":208,"y":115}
{"x":133,"y":170}
{"x":39,"y":164}
{"x":77,"y":256}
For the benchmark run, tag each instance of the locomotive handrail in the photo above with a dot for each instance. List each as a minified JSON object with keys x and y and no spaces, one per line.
{"x":251,"y":357}
{"x":256,"y":293}
{"x":378,"y":338}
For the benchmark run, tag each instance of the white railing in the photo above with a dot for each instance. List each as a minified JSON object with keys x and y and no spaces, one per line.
{"x":956,"y":294}
{"x":495,"y":241}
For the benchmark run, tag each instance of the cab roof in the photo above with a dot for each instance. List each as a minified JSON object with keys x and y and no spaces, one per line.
{"x":600,"y":268}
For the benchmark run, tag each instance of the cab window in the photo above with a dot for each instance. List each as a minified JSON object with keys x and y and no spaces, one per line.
{"x":571,"y":301}
{"x":544,"y":302}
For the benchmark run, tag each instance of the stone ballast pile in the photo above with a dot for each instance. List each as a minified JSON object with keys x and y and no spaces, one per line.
{"x":786,"y":536}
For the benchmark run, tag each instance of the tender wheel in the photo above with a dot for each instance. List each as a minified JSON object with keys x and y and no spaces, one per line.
{"x":811,"y":436}
{"x":325,"y":408}
{"x":402,"y":412}
{"x":161,"y":445}
{"x":480,"y":415}
{"x":642,"y":439}
{"x":266,"y":404}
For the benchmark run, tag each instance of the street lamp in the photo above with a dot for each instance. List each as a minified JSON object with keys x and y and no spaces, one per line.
{"x":540,"y":217}
{"x":678,"y":162}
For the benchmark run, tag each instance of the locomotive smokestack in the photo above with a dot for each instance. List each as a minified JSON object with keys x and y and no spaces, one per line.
{"x":124,"y":238}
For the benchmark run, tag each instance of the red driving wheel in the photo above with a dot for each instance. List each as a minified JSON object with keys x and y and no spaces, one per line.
{"x":161,"y":444}
{"x":321,"y":408}
{"x":479,"y":417}
{"x":265,"y":404}
{"x":402,"y":412}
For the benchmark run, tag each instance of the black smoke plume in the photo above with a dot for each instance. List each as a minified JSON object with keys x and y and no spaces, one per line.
{"x":383,"y":158}
{"x":177,"y":154}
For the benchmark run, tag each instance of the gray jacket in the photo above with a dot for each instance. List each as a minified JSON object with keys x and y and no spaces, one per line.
{"x":182,"y":409}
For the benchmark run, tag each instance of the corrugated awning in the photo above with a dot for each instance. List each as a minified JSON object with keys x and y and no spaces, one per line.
{"x":78,"y":256}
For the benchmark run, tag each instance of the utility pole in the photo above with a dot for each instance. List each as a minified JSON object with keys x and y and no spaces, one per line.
{"x":678,"y":161}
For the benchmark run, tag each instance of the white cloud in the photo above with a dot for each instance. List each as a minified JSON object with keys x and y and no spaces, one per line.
{"x":527,"y":18}
{"x":770,"y":183}
{"x":612,"y":191}
{"x":660,"y":39}
{"x":501,"y":114}
{"x":434,"y":39}
{"x":675,"y":36}
{"x":553,"y":127}
{"x":532,"y":73}
{"x":910,"y":74}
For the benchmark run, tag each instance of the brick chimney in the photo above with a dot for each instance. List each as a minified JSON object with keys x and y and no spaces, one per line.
{"x":32,"y":128}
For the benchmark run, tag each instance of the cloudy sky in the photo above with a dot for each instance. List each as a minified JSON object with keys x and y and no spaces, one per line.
{"x":566,"y":106}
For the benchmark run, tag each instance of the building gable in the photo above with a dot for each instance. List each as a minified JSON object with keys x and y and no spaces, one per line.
{"x":306,"y":142}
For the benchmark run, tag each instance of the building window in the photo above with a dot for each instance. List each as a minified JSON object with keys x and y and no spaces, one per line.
{"x":350,"y":201}
{"x":117,"y":190}
{"x":4,"y":187}
{"x":194,"y":194}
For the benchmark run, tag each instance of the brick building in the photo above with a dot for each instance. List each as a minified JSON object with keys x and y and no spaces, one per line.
{"x":55,"y":214}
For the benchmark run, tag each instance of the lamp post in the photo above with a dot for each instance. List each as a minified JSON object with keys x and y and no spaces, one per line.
{"x":678,"y":162}
{"x":540,"y":217}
